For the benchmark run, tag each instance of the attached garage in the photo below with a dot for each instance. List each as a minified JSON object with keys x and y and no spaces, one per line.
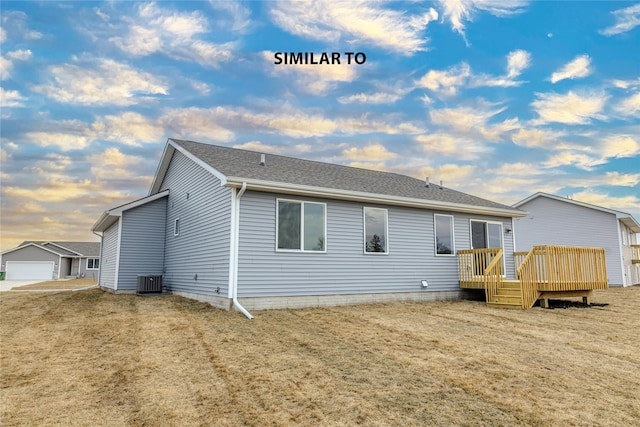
{"x":29,"y":270}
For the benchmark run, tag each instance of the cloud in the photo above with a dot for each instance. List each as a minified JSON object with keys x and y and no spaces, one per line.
{"x":571,"y":108}
{"x":15,"y":26}
{"x":100,"y":82}
{"x":6,"y":65}
{"x":358,"y":22}
{"x":626,"y":20}
{"x":600,"y":151}
{"x":316,"y":79}
{"x":114,"y":164}
{"x":629,"y":106}
{"x":64,"y":141}
{"x":128,"y":128}
{"x":537,"y":138}
{"x":20,"y":55}
{"x":607,"y":200}
{"x":447,"y":82}
{"x":240,"y":15}
{"x":174,"y":34}
{"x":580,"y":66}
{"x":473,"y":121}
{"x":373,"y":98}
{"x":517,"y":62}
{"x":620,"y":146}
{"x":459,"y":11}
{"x":369,"y":153}
{"x":452,"y":146}
{"x":10,"y":98}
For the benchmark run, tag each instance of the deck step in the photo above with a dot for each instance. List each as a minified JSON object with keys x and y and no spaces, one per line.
{"x":510,"y":283}
{"x":509,"y":291}
{"x":510,"y":299}
{"x":504,"y":305}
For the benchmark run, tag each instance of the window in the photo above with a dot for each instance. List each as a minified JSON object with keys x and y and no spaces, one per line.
{"x":375,"y":231}
{"x":486,"y":234}
{"x":93,"y":263}
{"x":176,"y":227}
{"x":443,"y":225}
{"x":301,"y":226}
{"x":623,"y":231}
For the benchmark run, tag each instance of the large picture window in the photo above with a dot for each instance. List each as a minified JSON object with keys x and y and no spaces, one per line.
{"x":443,"y":225}
{"x":375,"y":231}
{"x":301,"y":226}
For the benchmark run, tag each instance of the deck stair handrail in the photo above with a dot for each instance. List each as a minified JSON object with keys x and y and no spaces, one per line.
{"x":530,"y":269}
{"x":494,"y":276}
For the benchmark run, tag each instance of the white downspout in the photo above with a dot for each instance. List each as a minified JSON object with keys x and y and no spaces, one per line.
{"x":100,"y":262}
{"x":236,"y":232}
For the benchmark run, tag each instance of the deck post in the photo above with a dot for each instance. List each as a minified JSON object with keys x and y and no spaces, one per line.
{"x":544,"y":302}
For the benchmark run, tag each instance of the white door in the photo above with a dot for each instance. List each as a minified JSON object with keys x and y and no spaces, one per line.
{"x":29,"y":270}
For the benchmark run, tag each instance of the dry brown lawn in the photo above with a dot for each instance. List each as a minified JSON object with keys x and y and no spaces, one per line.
{"x":58,"y":285}
{"x":96,"y":359}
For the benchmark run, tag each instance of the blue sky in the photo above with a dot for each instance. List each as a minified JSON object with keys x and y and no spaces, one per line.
{"x":499,"y":99}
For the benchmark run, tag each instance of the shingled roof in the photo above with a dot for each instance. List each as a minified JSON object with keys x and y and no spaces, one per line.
{"x":85,"y":249}
{"x":244,"y":165}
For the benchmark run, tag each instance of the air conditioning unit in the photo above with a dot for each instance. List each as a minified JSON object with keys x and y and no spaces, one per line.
{"x":150,"y":284}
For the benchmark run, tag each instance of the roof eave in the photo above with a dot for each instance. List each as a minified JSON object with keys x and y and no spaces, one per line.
{"x":331,"y":193}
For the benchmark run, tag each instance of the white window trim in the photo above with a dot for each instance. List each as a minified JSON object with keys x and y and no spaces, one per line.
{"x":176,"y":226}
{"x":364,"y":230}
{"x":301,"y":250}
{"x":87,"y":266}
{"x":504,"y":254}
{"x":453,"y":236}
{"x":486,"y":222}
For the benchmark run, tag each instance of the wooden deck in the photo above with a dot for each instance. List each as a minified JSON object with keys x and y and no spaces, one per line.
{"x":544,"y":272}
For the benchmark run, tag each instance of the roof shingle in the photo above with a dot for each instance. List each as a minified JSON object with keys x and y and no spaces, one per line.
{"x":233,"y":162}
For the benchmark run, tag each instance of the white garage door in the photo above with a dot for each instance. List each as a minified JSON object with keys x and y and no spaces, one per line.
{"x":26,"y":270}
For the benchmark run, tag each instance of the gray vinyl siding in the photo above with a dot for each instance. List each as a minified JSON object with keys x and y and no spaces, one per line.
{"x":197,"y":260}
{"x":109,"y":260}
{"x":345,"y":268}
{"x":554,"y":222}
{"x":32,"y":253}
{"x":88,"y":273}
{"x":142,"y":240}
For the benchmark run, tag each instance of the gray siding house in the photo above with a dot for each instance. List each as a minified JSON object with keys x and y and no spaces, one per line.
{"x":244,"y":229}
{"x":41,"y":260}
{"x":554,"y":220}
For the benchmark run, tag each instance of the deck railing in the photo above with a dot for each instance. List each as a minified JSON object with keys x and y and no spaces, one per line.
{"x":561,"y":268}
{"x":635,"y":254}
{"x":518,"y":257}
{"x":472,"y":264}
{"x":493,"y":276}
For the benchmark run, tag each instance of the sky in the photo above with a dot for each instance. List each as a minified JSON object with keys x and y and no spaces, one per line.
{"x":496,"y":98}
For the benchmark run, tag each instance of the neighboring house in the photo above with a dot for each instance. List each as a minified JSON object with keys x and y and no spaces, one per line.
{"x":240,"y":228}
{"x":44,"y":260}
{"x":554,"y":220}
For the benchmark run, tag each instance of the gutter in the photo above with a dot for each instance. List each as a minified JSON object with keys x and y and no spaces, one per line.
{"x":236,"y":237}
{"x":332,"y":193}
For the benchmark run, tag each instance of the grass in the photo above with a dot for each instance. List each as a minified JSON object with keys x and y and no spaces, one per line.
{"x":58,"y":285}
{"x":93,"y":358}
